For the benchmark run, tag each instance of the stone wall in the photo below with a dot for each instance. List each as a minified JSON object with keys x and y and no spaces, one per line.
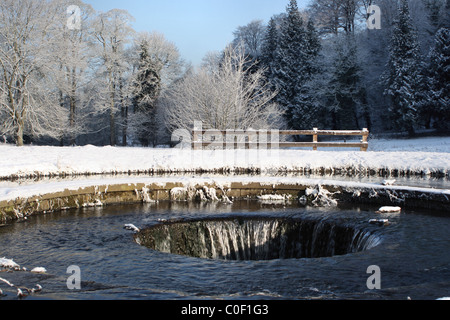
{"x":137,"y":193}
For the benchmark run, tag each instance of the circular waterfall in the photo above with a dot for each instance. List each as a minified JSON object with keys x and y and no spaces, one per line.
{"x":243,"y":238}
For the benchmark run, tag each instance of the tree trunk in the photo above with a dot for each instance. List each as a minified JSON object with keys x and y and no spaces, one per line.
{"x":112,"y":115}
{"x":72,"y":108}
{"x":125,"y":125}
{"x":19,"y":133}
{"x":112,"y":125}
{"x":124,"y":110}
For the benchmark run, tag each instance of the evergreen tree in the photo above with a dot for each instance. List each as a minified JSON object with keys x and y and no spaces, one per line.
{"x":289,"y":63}
{"x":307,"y":107}
{"x":269,"y":49}
{"x":403,"y":75}
{"x":439,"y":80}
{"x":313,"y":46}
{"x":146,"y":89}
{"x":345,"y":87}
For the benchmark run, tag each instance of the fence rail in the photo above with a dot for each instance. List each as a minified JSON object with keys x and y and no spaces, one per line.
{"x":263,"y":138}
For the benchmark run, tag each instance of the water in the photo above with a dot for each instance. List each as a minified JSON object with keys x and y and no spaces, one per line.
{"x":412,"y":253}
{"x":259,"y":238}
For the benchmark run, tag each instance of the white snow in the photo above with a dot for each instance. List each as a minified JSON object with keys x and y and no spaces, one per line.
{"x":272,"y":197}
{"x":428,"y":144}
{"x":320,"y":197}
{"x":418,"y":155}
{"x":131,"y":227}
{"x":388,"y":209}
{"x":425,"y":155}
{"x":25,"y":191}
{"x":389,"y":182}
{"x":39,"y":270}
{"x":8,"y":263}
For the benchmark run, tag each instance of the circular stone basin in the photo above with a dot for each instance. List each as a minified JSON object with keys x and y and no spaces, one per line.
{"x":243,"y":238}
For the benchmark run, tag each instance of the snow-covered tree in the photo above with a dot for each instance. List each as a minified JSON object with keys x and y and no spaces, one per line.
{"x":29,"y":104}
{"x":404,"y":72}
{"x":269,"y":50}
{"x":112,"y":31}
{"x":72,"y":54}
{"x":223,"y":96}
{"x":147,"y":86}
{"x":331,"y":16}
{"x":307,"y":107}
{"x":289,"y":66}
{"x":159,"y":64}
{"x":250,"y":37}
{"x":439,"y":80}
{"x":346,"y":95}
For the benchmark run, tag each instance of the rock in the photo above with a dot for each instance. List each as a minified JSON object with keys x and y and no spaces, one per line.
{"x":8,"y":263}
{"x":20,"y":293}
{"x":131,"y":227}
{"x":389,"y":210}
{"x":380,"y":222}
{"x":39,"y":270}
{"x":37,"y":289}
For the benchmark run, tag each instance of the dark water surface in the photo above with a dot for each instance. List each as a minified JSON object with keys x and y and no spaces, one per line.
{"x":412,"y":253}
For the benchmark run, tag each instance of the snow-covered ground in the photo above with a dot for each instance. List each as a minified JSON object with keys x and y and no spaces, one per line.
{"x":421,"y":155}
{"x":429,"y":144}
{"x":426,"y":155}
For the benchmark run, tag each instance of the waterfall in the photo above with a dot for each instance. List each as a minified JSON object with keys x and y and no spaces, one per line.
{"x":257,"y":239}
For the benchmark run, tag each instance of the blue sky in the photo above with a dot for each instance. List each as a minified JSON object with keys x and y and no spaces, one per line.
{"x":195,"y":26}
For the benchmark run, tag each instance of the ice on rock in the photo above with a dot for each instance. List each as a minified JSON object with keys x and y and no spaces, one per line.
{"x":388,"y":209}
{"x":8,"y":263}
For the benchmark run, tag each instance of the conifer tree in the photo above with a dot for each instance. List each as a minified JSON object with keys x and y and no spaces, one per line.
{"x":269,"y":50}
{"x":344,"y":85}
{"x":307,"y":107}
{"x":439,"y":80}
{"x":147,"y":86}
{"x":403,"y":75}
{"x":289,"y":65}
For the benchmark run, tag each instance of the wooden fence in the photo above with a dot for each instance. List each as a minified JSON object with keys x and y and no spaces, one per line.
{"x":254,"y":139}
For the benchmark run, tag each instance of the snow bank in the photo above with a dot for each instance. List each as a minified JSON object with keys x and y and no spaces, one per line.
{"x":31,"y":161}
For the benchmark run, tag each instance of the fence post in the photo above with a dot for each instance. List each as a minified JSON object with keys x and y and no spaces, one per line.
{"x":315,"y":139}
{"x":365,"y":135}
{"x":198,"y":135}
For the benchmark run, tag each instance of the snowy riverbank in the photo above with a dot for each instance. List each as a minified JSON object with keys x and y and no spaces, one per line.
{"x":418,"y":156}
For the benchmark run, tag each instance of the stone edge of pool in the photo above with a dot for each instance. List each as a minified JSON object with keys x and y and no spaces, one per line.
{"x":110,"y":194}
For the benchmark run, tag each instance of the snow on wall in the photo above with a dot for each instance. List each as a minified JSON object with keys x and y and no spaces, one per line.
{"x":26,"y":191}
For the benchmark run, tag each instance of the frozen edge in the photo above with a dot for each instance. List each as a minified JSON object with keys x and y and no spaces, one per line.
{"x":28,"y":191}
